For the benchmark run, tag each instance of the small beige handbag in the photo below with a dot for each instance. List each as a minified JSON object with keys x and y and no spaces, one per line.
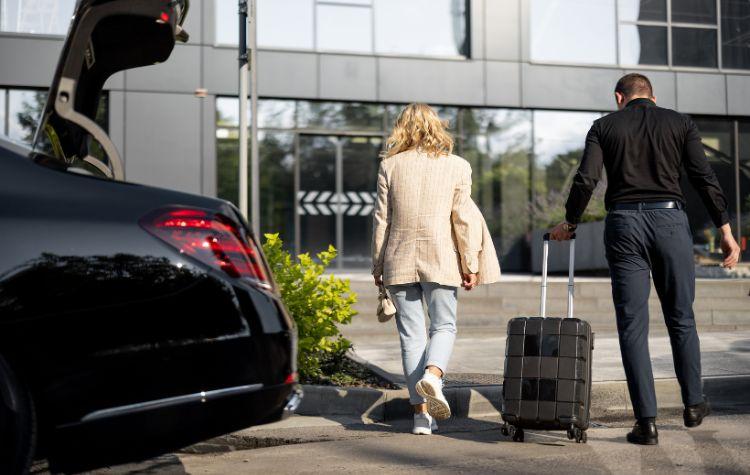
{"x":386,"y":309}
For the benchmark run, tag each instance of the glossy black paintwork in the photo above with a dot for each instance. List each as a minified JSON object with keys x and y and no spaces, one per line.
{"x":97,"y":313}
{"x":89,"y":301}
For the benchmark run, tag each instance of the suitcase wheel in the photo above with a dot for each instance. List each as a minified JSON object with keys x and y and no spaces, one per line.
{"x":577,"y":434}
{"x":516,"y":433}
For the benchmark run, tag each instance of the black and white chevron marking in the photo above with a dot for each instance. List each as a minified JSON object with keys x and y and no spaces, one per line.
{"x":326,"y":203}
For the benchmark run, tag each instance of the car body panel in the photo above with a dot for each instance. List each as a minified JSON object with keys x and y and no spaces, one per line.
{"x":129,"y":346}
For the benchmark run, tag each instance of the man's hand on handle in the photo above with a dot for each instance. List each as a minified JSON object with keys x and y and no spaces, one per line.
{"x":729,"y":247}
{"x":562,"y":232}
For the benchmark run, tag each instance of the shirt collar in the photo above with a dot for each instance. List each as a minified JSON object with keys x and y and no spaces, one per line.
{"x":641,"y":101}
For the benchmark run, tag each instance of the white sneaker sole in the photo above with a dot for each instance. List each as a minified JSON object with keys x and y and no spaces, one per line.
{"x":421,"y":431}
{"x":436,"y":406}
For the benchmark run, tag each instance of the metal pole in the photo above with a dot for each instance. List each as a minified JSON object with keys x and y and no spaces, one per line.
{"x":254,"y":159}
{"x":243,"y":107}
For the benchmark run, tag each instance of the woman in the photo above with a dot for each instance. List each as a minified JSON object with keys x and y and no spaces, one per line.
{"x":429,"y":238}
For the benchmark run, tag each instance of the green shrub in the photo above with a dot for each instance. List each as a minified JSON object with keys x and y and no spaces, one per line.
{"x":316,"y":303}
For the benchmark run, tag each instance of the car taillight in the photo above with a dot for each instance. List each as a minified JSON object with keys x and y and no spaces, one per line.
{"x":211,"y":238}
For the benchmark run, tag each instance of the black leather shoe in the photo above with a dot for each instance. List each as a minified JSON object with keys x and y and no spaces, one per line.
{"x":644,"y":432}
{"x":693,"y":415}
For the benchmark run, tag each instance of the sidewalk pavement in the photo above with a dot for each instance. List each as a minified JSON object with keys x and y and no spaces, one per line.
{"x":723,"y":354}
{"x":474,"y":378}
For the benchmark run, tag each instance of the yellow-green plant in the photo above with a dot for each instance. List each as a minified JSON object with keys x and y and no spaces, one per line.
{"x":317,"y":303}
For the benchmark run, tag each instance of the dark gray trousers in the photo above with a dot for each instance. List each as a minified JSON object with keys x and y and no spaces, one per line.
{"x":656,"y":242}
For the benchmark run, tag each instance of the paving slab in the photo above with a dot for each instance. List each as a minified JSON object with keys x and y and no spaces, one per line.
{"x":722,"y":354}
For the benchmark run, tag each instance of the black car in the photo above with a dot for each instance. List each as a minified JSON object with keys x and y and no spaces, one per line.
{"x":133,"y":320}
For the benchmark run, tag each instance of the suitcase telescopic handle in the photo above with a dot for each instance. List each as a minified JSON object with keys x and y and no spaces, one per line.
{"x":571,"y":282}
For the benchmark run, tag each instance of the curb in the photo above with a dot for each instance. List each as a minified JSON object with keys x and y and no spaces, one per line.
{"x":609,"y":400}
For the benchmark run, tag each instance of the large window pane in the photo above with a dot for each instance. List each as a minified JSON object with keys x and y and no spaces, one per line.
{"x":50,"y":17}
{"x":497,"y":143}
{"x":285,"y":23}
{"x":273,"y":113}
{"x":277,"y":26}
{"x":694,"y":11}
{"x":340,"y":116}
{"x":573,"y":31}
{"x":745,"y":188}
{"x":24,"y":109}
{"x":643,"y":44}
{"x":344,"y":28}
{"x":276,"y":153}
{"x":421,"y":27}
{"x":735,"y":34}
{"x":317,"y":155}
{"x":559,"y":138}
{"x":360,"y":173}
{"x":446,"y":113}
{"x":718,"y":143}
{"x":3,"y":119}
{"x":642,"y":10}
{"x":226,"y":22}
{"x":694,"y":47}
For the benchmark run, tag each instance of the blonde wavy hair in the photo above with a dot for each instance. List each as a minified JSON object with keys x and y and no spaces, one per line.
{"x":419,"y":127}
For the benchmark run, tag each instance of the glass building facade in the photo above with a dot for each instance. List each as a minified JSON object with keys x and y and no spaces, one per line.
{"x":332,"y":76}
{"x":319,"y":160}
{"x":703,"y":34}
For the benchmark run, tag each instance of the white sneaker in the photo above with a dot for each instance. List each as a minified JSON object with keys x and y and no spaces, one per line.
{"x":430,"y":387}
{"x":423,"y":423}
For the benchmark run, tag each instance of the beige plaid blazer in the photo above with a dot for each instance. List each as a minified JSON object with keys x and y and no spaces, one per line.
{"x":426,"y":227}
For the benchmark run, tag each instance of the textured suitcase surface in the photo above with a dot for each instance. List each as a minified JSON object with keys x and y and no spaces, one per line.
{"x":547,"y":380}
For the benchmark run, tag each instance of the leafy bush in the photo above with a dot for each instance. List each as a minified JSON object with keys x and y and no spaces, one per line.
{"x":316,"y":303}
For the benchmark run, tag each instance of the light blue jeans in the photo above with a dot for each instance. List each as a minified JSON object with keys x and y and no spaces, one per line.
{"x":416,"y":352}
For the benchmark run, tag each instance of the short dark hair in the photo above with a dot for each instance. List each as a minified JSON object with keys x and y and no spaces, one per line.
{"x":634,"y":84}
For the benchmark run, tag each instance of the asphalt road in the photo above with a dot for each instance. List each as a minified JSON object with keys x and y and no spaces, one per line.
{"x":720,"y":445}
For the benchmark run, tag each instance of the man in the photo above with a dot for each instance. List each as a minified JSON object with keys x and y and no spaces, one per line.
{"x":644,"y":149}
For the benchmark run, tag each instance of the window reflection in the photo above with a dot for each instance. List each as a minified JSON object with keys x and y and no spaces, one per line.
{"x":744,"y":165}
{"x":718,"y":143}
{"x":24,"y":109}
{"x":735,"y":34}
{"x":416,"y":27}
{"x":559,"y":139}
{"x":49,"y":17}
{"x":641,"y":44}
{"x":497,"y":143}
{"x":446,"y":113}
{"x":3,"y":121}
{"x":523,"y":164}
{"x":642,"y":10}
{"x":340,"y":115}
{"x":277,"y":28}
{"x":276,"y":153}
{"x":694,"y":47}
{"x":273,"y":113}
{"x":344,"y":28}
{"x":421,"y":27}
{"x":573,"y":31}
{"x":694,"y":11}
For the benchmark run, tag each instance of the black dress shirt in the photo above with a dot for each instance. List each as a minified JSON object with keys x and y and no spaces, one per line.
{"x":644,"y":149}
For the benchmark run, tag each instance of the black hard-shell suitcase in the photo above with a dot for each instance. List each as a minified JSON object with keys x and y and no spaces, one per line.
{"x":547,"y":379}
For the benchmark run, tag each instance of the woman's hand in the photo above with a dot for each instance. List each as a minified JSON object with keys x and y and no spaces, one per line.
{"x":378,"y":280}
{"x":470,"y":281}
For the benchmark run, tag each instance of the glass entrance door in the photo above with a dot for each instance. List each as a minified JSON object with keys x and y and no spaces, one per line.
{"x":337,"y":176}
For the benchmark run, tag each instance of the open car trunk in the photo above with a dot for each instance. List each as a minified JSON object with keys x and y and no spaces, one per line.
{"x":105,"y":36}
